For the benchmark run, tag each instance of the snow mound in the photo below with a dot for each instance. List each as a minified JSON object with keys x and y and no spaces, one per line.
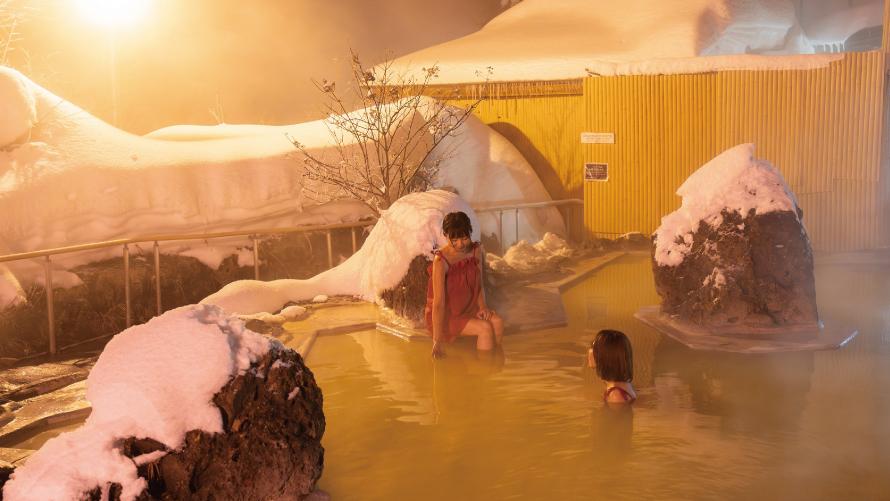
{"x":540,"y":256}
{"x":153,"y":380}
{"x":17,"y":107}
{"x":80,"y":180}
{"x":412,"y":226}
{"x":562,"y":39}
{"x":734,"y":181}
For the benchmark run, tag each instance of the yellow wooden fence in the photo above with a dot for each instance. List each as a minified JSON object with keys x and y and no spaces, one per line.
{"x":822,"y":128}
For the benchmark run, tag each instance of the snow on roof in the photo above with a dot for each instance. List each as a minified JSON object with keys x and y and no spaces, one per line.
{"x":79,"y":180}
{"x":155,"y":380}
{"x":561,"y":39}
{"x":734,"y":181}
{"x":839,"y":25}
{"x":412,"y":226}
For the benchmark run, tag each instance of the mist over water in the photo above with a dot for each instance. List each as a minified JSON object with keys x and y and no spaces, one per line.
{"x":206,"y":61}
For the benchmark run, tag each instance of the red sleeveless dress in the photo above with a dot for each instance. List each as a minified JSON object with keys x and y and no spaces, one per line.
{"x":462,"y":288}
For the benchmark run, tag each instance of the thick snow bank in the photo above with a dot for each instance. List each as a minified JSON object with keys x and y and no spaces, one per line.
{"x":18,"y":111}
{"x":80,"y":180}
{"x":154,"y":380}
{"x":412,"y":226}
{"x":734,"y":181}
{"x":562,"y":39}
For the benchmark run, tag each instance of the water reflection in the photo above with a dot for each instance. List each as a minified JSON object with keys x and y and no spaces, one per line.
{"x":754,"y":394}
{"x":530,"y":422}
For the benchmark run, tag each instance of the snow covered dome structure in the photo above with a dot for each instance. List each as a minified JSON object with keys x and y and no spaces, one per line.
{"x":560,"y":39}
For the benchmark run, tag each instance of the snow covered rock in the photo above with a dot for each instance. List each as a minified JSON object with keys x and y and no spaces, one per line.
{"x":411,"y":227}
{"x":407,"y":299}
{"x":270,"y":447}
{"x":217,"y":410}
{"x":736,"y":251}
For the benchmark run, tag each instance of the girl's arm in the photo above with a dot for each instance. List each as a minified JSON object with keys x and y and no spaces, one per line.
{"x":438,"y":279}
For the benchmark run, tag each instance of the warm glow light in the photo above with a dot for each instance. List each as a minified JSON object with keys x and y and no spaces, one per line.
{"x":113,"y":13}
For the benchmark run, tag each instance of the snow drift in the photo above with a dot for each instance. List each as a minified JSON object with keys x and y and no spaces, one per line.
{"x":73,"y":179}
{"x":563,"y":39}
{"x":412,"y":226}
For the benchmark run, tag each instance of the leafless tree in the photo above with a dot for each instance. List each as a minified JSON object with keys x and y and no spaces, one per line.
{"x":385,"y":148}
{"x":9,"y":34}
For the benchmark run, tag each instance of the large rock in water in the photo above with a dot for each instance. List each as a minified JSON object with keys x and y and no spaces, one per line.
{"x":736,"y":253}
{"x":270,"y":448}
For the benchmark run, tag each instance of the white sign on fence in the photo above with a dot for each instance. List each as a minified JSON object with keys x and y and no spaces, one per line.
{"x":597,"y":138}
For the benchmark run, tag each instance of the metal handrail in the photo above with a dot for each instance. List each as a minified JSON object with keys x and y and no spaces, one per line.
{"x":500,"y":209}
{"x":126,"y":242}
{"x":252,"y":234}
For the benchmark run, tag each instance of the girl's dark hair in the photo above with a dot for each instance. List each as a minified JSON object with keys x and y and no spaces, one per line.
{"x":613,"y":355}
{"x":457,"y":225}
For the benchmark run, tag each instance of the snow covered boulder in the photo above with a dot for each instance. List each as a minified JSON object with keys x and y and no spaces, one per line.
{"x":406,"y":294}
{"x":736,"y":252}
{"x":191,"y":405}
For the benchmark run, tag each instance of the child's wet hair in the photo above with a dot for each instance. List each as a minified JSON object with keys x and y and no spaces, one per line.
{"x":613,"y":356}
{"x":457,"y":225}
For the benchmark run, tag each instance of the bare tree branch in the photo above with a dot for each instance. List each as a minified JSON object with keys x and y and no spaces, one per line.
{"x":382,"y":150}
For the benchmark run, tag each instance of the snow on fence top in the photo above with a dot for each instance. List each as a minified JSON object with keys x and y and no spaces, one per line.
{"x":734,"y":181}
{"x":568,"y":39}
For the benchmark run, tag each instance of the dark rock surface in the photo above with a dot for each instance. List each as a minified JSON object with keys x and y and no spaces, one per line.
{"x":754,"y":271}
{"x":408,"y":298}
{"x":270,"y":449}
{"x":6,"y":470}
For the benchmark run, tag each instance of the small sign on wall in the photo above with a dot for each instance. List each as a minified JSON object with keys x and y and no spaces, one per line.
{"x":596,"y":172}
{"x":597,"y":138}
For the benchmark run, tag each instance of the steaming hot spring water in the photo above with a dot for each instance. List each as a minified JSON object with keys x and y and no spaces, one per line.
{"x":529,"y":423}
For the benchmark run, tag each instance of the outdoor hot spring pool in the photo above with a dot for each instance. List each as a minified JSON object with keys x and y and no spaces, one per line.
{"x":531,"y":424}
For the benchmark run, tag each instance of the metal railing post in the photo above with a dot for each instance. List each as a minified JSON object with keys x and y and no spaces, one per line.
{"x":256,"y":257}
{"x":516,"y":214}
{"x":354,"y":246}
{"x":157,"y":250}
{"x":330,"y":249}
{"x":128,"y":306}
{"x":50,"y":314}
{"x":501,"y":231}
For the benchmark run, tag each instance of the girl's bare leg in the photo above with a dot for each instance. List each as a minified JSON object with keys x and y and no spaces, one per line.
{"x":497,"y":324}
{"x":484,"y":332}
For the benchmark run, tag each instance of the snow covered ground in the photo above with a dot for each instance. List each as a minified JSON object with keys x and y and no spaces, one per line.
{"x":68,"y":178}
{"x":565,"y":39}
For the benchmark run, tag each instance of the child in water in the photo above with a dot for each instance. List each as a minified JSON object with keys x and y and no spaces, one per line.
{"x":611,"y":355}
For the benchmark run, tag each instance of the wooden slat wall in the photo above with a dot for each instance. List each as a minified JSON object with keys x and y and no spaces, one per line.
{"x":658,"y":134}
{"x":546,"y":130}
{"x":822,"y":128}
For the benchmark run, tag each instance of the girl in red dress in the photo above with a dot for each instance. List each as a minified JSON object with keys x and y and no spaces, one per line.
{"x":611,"y":355}
{"x":455,"y":300}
